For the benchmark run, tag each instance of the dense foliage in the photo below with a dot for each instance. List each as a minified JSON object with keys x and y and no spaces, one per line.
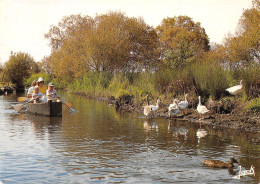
{"x":19,"y":67}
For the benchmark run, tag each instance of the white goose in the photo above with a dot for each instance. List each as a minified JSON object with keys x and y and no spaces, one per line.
{"x":183,"y":104}
{"x":173,"y":109}
{"x":172,"y":104}
{"x":155,"y":107}
{"x":147,"y":109}
{"x":150,"y":109}
{"x":202,"y":109}
{"x":235,"y":90}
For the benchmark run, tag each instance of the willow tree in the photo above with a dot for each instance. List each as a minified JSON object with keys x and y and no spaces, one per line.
{"x":109,"y":42}
{"x":182,"y":41}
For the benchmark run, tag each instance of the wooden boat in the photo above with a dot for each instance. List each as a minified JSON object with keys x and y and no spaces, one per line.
{"x":47,"y":109}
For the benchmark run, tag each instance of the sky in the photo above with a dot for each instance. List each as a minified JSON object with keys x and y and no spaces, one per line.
{"x":23,"y":23}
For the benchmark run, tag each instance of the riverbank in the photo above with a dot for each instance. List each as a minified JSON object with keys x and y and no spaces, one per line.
{"x":233,"y":117}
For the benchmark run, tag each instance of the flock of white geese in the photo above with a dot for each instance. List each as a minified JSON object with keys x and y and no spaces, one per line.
{"x":179,"y":106}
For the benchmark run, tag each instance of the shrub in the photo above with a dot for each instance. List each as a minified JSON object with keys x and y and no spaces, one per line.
{"x":92,"y":83}
{"x":253,"y":105}
{"x":46,"y":77}
{"x":210,"y":79}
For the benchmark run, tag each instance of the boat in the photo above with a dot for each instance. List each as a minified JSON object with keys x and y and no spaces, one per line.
{"x":49,"y":108}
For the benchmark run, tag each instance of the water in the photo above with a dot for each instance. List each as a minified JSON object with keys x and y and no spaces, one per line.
{"x":99,"y":145}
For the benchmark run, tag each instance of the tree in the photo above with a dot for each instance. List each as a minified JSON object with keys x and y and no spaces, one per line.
{"x":243,"y":48}
{"x":46,"y":66}
{"x":19,"y":67}
{"x":109,"y":42}
{"x":182,"y":41}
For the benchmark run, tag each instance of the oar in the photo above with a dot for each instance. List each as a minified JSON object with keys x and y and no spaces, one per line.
{"x":72,"y":110}
{"x":22,"y":99}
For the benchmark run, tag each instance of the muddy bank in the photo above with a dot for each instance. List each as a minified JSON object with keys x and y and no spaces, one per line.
{"x":222,"y":115}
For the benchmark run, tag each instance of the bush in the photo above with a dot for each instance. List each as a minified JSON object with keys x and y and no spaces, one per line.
{"x":251,"y":77}
{"x":253,"y":105}
{"x":46,"y":77}
{"x":92,"y":83}
{"x":210,"y":79}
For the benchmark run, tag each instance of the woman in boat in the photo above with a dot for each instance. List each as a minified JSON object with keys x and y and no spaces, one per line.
{"x":31,"y":89}
{"x":41,"y":85}
{"x":51,"y":92}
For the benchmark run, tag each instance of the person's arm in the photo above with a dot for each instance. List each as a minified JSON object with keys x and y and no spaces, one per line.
{"x":29,"y":94}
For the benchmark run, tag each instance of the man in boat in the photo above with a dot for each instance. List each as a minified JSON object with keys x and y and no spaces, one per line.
{"x":51,"y":92}
{"x":31,"y":89}
{"x":41,"y":85}
{"x":37,"y":95}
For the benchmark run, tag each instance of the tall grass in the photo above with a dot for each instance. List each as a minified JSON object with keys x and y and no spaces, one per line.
{"x":92,"y":84}
{"x":210,"y":79}
{"x":205,"y":79}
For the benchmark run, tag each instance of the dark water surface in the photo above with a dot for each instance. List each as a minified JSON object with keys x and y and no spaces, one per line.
{"x":99,"y":145}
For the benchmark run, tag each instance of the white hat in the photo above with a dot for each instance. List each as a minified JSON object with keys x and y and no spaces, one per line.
{"x":40,"y":79}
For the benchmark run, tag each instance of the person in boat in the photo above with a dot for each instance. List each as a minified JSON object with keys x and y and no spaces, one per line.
{"x":41,"y":85}
{"x":37,"y":95}
{"x":51,"y":93}
{"x":31,"y":89}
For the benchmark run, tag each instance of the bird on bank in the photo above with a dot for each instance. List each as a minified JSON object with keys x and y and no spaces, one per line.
{"x":235,"y":90}
{"x":147,"y":109}
{"x":173,"y":109}
{"x":220,"y":164}
{"x":183,"y":104}
{"x":155,"y":107}
{"x":202,"y":109}
{"x":150,"y":109}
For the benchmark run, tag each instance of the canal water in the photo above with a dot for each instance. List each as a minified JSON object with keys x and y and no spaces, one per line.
{"x":100,"y":145}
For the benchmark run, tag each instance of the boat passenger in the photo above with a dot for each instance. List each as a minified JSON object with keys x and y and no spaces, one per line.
{"x":51,"y":92}
{"x":31,"y":89}
{"x":41,"y":85}
{"x":37,"y":95}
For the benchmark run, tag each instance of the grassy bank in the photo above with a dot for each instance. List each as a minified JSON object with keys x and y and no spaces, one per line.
{"x":207,"y":80}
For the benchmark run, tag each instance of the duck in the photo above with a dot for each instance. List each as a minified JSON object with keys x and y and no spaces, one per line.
{"x":220,"y":164}
{"x":235,"y":90}
{"x":147,"y":109}
{"x":173,"y":109}
{"x":183,"y":104}
{"x":202,"y":109}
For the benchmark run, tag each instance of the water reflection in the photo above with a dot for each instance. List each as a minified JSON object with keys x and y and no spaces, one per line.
{"x":177,"y":130}
{"x":201,"y":133}
{"x":150,"y":125}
